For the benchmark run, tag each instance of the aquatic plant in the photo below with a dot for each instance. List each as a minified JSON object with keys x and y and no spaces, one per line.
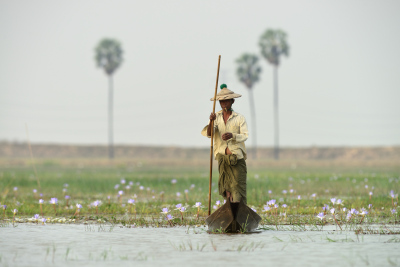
{"x":78,"y":209}
{"x":187,"y":194}
{"x":198,"y":206}
{"x":54,"y":201}
{"x":333,"y":214}
{"x":66,"y":200}
{"x":41,"y":201}
{"x":36,"y":217}
{"x":4,"y":210}
{"x":96,"y":204}
{"x":14,"y":212}
{"x":131,"y":202}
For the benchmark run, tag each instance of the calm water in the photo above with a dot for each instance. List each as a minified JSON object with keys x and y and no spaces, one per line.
{"x":72,"y":245}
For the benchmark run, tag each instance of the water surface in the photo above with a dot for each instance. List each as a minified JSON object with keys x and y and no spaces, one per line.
{"x":102,"y":245}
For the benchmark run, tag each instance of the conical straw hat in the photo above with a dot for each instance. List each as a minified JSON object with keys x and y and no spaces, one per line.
{"x":225,"y":93}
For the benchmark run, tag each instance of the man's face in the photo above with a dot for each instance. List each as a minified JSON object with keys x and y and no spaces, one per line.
{"x":226,"y":104}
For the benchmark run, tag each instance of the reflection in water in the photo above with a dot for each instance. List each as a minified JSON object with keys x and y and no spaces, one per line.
{"x":91,"y":245}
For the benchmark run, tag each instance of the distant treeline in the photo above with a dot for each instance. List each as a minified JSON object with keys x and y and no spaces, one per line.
{"x":21,"y":150}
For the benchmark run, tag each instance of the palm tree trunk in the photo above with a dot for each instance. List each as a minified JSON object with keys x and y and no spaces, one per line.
{"x":110,"y":119}
{"x":253,"y":122}
{"x":276,"y":115}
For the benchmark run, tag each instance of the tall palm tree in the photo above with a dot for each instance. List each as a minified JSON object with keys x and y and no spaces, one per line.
{"x":273,"y":44}
{"x":109,"y":57}
{"x":248,"y":72}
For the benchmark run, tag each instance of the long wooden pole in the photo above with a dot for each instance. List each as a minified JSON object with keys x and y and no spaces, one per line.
{"x":212,"y":141}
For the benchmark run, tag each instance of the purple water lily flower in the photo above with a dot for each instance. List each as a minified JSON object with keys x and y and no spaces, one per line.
{"x":320,"y":215}
{"x":165,"y":210}
{"x":363,"y":212}
{"x":182,"y":209}
{"x":354,"y":211}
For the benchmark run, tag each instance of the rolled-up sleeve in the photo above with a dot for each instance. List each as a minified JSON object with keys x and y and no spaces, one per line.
{"x":243,"y":132}
{"x":204,"y":131}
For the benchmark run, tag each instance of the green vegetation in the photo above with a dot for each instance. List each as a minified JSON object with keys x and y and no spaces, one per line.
{"x":154,"y":188}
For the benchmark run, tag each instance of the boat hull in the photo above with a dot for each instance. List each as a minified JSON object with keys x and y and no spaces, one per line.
{"x":233,"y":218}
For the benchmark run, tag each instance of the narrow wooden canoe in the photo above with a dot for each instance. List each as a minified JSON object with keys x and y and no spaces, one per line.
{"x":233,"y":218}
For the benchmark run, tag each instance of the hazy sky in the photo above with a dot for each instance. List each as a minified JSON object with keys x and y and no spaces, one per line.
{"x":340,"y":84}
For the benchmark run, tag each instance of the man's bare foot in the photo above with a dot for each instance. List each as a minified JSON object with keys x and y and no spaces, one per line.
{"x":229,"y":195}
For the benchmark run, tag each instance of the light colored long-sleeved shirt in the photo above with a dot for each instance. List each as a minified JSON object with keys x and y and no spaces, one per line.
{"x":236,"y":124}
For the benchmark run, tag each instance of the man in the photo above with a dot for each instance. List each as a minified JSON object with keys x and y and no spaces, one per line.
{"x":230,"y":133}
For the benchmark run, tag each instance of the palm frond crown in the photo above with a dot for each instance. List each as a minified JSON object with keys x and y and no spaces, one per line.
{"x":273,"y":44}
{"x":248,"y":70}
{"x":109,"y":55}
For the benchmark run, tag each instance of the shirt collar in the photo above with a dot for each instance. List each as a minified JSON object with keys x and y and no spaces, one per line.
{"x":233,"y":113}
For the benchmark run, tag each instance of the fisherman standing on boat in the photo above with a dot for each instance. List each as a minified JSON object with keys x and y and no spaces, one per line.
{"x":230,"y":133}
